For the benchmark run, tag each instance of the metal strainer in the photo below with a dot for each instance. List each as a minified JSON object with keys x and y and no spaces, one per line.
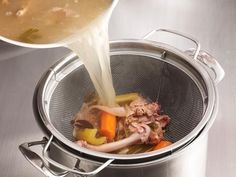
{"x":179,"y":95}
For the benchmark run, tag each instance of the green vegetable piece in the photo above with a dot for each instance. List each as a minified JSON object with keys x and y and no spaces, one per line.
{"x":126,"y":97}
{"x":89,"y":135}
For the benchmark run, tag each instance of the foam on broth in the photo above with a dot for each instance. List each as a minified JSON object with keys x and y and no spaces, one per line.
{"x":43,"y":22}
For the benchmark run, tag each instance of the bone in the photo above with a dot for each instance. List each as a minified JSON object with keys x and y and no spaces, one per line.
{"x":109,"y":147}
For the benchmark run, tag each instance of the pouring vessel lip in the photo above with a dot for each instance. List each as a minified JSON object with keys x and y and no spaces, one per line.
{"x":28,"y":45}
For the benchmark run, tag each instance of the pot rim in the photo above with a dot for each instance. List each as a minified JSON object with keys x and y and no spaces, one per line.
{"x":211,"y":90}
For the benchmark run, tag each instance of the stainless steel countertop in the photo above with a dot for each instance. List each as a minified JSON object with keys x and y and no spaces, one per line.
{"x":212,"y":22}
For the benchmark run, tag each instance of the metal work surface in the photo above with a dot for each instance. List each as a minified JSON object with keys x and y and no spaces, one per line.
{"x":211,"y":22}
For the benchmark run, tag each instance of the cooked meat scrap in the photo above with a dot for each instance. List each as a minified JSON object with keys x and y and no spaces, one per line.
{"x":142,"y":112}
{"x":138,"y":102}
{"x":155,"y":138}
{"x":163,"y":119}
{"x":21,"y":12}
{"x":141,"y":107}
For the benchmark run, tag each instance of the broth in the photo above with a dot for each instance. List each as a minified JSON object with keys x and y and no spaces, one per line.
{"x":43,"y":22}
{"x":93,"y":49}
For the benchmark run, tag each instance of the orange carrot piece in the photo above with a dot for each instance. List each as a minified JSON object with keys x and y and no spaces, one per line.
{"x":108,"y":125}
{"x":162,"y":144}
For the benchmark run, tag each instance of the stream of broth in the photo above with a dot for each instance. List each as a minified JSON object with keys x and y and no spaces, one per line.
{"x":93,"y":49}
{"x":43,"y":22}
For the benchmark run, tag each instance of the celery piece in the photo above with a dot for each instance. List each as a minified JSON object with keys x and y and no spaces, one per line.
{"x":89,"y":135}
{"x":126,"y":97}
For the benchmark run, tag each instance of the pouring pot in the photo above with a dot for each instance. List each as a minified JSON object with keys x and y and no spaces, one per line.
{"x":184,"y":84}
{"x":63,"y":42}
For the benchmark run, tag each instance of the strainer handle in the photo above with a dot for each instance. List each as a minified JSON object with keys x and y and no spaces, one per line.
{"x":198,"y":46}
{"x":37,"y":161}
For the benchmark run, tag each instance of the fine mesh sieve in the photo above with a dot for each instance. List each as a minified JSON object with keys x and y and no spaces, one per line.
{"x":158,"y":72}
{"x":177,"y":93}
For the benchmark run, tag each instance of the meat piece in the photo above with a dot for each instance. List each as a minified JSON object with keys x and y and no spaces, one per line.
{"x":142,"y":134}
{"x":143,"y":112}
{"x":163,"y":120}
{"x":156,"y":134}
{"x":21,"y":11}
{"x":129,"y":112}
{"x":138,"y":102}
{"x":155,"y":138}
{"x":141,"y":107}
{"x":152,"y":109}
{"x":144,"y":131}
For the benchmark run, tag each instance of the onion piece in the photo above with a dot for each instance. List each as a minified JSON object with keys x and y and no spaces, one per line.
{"x":116,"y":145}
{"x":109,"y":147}
{"x":117,"y":111}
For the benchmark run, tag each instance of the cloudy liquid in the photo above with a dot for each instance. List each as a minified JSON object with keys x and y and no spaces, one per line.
{"x":92,"y":47}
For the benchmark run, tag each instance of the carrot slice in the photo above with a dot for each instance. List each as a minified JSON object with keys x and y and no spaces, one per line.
{"x":108,"y":125}
{"x":162,"y":144}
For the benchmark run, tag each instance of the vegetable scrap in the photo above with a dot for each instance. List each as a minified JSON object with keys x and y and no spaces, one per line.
{"x":135,"y":125}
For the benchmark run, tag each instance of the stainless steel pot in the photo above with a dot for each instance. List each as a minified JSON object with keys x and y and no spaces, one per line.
{"x":183,"y":82}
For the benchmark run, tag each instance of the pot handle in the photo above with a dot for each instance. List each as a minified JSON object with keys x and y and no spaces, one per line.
{"x":39,"y":162}
{"x":197,"y":54}
{"x":36,"y":160}
{"x":211,"y":63}
{"x":198,"y":46}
